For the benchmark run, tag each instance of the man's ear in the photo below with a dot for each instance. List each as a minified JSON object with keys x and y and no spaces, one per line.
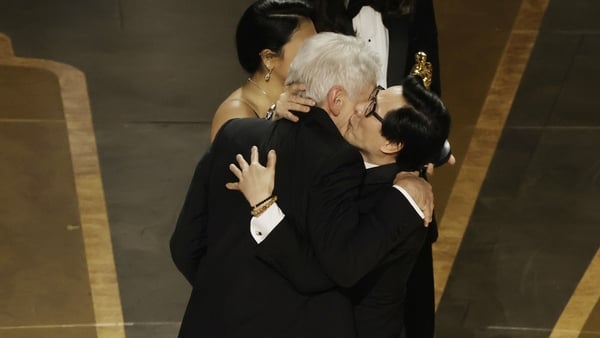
{"x":391,"y":148}
{"x":335,"y":99}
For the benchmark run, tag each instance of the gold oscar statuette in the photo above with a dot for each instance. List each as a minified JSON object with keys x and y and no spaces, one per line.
{"x":422,"y":69}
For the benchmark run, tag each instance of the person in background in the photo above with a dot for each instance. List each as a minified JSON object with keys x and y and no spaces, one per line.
{"x":332,"y":16}
{"x":268,"y":36}
{"x":395,"y":29}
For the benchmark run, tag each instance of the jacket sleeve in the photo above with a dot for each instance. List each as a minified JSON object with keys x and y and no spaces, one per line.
{"x":289,"y":253}
{"x":349,"y":245}
{"x":188,"y":241}
{"x":341,"y":245}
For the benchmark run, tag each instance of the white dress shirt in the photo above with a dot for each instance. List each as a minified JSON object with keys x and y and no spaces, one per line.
{"x":369,"y":27}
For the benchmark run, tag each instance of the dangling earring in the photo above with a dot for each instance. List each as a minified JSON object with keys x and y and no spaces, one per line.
{"x":268,"y":75}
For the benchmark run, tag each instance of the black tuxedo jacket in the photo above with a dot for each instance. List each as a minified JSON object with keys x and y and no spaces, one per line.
{"x":235,"y":294}
{"x":322,"y":216}
{"x":379,"y":297}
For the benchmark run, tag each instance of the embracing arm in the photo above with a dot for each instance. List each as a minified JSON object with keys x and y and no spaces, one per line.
{"x":341,"y":247}
{"x":343,"y":259}
{"x":292,"y":99}
{"x":288,"y":252}
{"x":348,"y":244}
{"x":292,"y":256}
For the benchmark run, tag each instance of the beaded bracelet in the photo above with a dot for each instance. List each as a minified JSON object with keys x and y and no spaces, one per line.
{"x":261,"y":207}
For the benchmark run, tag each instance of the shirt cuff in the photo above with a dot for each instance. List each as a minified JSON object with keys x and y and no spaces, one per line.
{"x":410,"y":200}
{"x":261,"y":226}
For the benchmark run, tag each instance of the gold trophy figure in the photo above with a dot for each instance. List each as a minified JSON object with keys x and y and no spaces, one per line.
{"x":422,"y":69}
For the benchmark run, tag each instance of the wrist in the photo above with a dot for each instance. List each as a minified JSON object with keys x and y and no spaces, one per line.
{"x":255,"y":202}
{"x":260,"y":208}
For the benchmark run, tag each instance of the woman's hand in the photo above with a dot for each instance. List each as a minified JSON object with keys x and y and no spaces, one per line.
{"x":292,"y":99}
{"x":256,"y":182}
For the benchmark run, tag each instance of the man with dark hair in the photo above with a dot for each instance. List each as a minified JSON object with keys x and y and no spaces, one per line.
{"x":401,"y":128}
{"x":413,"y":133}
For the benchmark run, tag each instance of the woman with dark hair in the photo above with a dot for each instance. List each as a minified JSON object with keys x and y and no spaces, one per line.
{"x":268,"y":36}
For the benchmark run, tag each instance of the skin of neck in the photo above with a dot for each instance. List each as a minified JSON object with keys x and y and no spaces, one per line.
{"x":273,"y":87}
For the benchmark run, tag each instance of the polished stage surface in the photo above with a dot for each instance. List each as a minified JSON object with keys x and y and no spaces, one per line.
{"x":105,"y":108}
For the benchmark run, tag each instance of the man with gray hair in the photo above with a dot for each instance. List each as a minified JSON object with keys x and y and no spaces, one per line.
{"x":319,"y":175}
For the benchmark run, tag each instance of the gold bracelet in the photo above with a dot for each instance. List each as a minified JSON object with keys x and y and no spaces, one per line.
{"x":263,"y":206}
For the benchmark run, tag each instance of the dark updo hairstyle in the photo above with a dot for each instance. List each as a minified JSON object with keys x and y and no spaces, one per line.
{"x":267,"y":24}
{"x":422,"y":127}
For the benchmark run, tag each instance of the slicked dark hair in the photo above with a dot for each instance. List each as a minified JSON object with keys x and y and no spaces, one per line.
{"x":422,"y":127}
{"x":267,"y":24}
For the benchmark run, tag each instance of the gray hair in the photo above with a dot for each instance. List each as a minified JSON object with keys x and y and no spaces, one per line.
{"x":329,"y":59}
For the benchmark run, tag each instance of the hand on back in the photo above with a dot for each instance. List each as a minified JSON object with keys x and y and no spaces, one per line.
{"x":256,"y":181}
{"x":292,"y":99}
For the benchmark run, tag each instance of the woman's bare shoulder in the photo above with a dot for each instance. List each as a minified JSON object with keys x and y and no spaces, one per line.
{"x":234,"y":106}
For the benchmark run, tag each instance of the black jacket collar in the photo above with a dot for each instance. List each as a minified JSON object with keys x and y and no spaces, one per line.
{"x":383,"y":174}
